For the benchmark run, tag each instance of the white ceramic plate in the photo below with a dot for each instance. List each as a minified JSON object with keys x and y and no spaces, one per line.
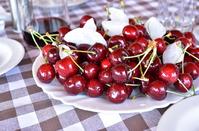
{"x":11,"y":53}
{"x":183,"y":116}
{"x":75,"y":2}
{"x":140,"y":104}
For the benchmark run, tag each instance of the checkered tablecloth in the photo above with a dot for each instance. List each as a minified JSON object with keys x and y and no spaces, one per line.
{"x":24,"y":106}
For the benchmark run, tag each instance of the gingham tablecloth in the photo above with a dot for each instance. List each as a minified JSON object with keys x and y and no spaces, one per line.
{"x":24,"y":106}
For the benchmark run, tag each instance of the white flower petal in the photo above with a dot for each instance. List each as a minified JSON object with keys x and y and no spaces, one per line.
{"x":118,"y":15}
{"x":113,"y":27}
{"x":173,"y":54}
{"x":154,"y":28}
{"x":90,"y":24}
{"x":62,"y":53}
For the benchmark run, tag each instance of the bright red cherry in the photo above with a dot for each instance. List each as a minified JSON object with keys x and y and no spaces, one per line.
{"x":63,"y":30}
{"x":53,"y":55}
{"x":117,"y":40}
{"x":84,"y":19}
{"x":169,"y":73}
{"x":91,"y":71}
{"x":135,"y":49}
{"x":106,"y":64}
{"x":66,"y":67}
{"x":117,"y":93}
{"x":119,"y":73}
{"x":130,"y":32}
{"x":100,"y":52}
{"x":141,"y":30}
{"x":194,"y":51}
{"x":192,"y":69}
{"x":75,"y":84}
{"x":46,"y":73}
{"x":157,"y":90}
{"x":46,"y":48}
{"x":190,"y":36}
{"x":105,"y":76}
{"x":161,"y":45}
{"x":143,"y":42}
{"x":117,"y":56}
{"x":94,"y":88}
{"x":184,"y":80}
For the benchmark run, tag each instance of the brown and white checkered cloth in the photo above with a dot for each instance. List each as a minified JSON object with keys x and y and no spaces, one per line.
{"x":24,"y":106}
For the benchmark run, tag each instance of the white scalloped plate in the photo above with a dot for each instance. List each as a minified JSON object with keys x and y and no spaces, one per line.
{"x":100,"y":104}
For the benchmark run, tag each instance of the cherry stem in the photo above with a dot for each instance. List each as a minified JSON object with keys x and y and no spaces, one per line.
{"x":49,"y":36}
{"x":81,"y":51}
{"x":184,"y":86}
{"x":179,"y":94}
{"x":37,"y":45}
{"x":192,"y":55}
{"x":133,"y":85}
{"x":141,"y":79}
{"x":82,"y":70}
{"x":184,"y":51}
{"x":40,"y":37}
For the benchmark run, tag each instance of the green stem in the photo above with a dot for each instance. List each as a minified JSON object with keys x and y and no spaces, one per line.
{"x":37,"y":45}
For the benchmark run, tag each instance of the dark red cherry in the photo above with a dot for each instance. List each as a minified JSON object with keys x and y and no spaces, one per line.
{"x":194,"y":51}
{"x":190,"y":36}
{"x":169,"y":73}
{"x":143,"y":42}
{"x":75,"y":84}
{"x":136,"y":72}
{"x":46,"y":73}
{"x":106,"y":64}
{"x":62,"y":31}
{"x":117,"y":40}
{"x":91,"y":71}
{"x":117,"y":56}
{"x":117,"y":93}
{"x":46,"y":48}
{"x":192,"y":69}
{"x":119,"y":73}
{"x":176,"y":33}
{"x":184,"y":80}
{"x":141,"y":30}
{"x":100,"y":52}
{"x":145,"y":84}
{"x":157,"y":90}
{"x":61,"y":79}
{"x":161,"y":45}
{"x":94,"y":88}
{"x":135,"y":49}
{"x":66,"y":67}
{"x":84,"y":19}
{"x":83,"y":56}
{"x":105,"y":76}
{"x":53,"y":55}
{"x":185,"y":41}
{"x":188,"y":58}
{"x":130,"y":32}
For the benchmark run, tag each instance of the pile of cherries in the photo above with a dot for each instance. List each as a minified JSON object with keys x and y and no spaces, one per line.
{"x":122,"y":65}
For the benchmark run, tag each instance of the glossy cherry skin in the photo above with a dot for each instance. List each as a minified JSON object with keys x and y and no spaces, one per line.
{"x":84,"y":19}
{"x":105,"y":64}
{"x":46,"y":73}
{"x":117,"y":93}
{"x":91,"y":71}
{"x":105,"y":76}
{"x":46,"y":48}
{"x":141,"y":30}
{"x":161,"y":45}
{"x":66,"y":67}
{"x":63,"y":31}
{"x":117,"y":40}
{"x":190,"y":36}
{"x":157,"y":90}
{"x":186,"y":80}
{"x":130,"y":33}
{"x":117,"y":56}
{"x":188,"y":58}
{"x":145,"y":84}
{"x":192,"y":69}
{"x":185,"y":41}
{"x":136,"y":72}
{"x":143,"y":42}
{"x":194,"y":51}
{"x":53,"y":55}
{"x":75,"y":84}
{"x":61,"y":79}
{"x":135,"y":49}
{"x":94,"y":88}
{"x":119,"y":73}
{"x":176,"y":33}
{"x":83,"y":56}
{"x":169,"y":73}
{"x":100,"y":52}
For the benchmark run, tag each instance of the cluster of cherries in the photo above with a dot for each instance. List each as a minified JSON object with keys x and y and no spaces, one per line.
{"x":128,"y":61}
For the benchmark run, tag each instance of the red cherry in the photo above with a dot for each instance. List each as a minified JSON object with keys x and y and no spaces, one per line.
{"x":197,"y":63}
{"x":157,"y":90}
{"x":188,"y":58}
{"x":100,"y":52}
{"x":61,"y":79}
{"x":176,"y":33}
{"x":117,"y":93}
{"x":136,"y":72}
{"x":75,"y":84}
{"x":84,"y":19}
{"x":185,"y":41}
{"x":105,"y":76}
{"x":143,"y":42}
{"x":94,"y":88}
{"x":119,"y":73}
{"x":161,"y":45}
{"x":192,"y":69}
{"x":117,"y":40}
{"x":186,"y":80}
{"x":169,"y":73}
{"x":46,"y":73}
{"x":106,"y":64}
{"x":194,"y":51}
{"x":53,"y":55}
{"x":63,"y":31}
{"x":91,"y":71}
{"x":190,"y":36}
{"x":46,"y":48}
{"x":130,"y":32}
{"x":66,"y":67}
{"x":145,"y":84}
{"x":83,"y":56}
{"x":141,"y":30}
{"x":135,"y":49}
{"x":117,"y":56}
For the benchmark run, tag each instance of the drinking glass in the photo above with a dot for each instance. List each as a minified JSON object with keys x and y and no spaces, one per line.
{"x":42,"y":16}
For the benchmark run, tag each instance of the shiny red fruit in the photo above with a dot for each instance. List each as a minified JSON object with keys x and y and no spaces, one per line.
{"x":185,"y":42}
{"x":145,"y":84}
{"x":63,"y":30}
{"x":84,"y":19}
{"x":117,"y":93}
{"x":117,"y":56}
{"x":130,"y":33}
{"x":143,"y":42}
{"x":136,"y":72}
{"x":190,"y":36}
{"x":135,"y":49}
{"x":157,"y":90}
{"x":169,"y":73}
{"x":119,"y":73}
{"x":75,"y":84}
{"x":161,"y":45}
{"x":46,"y":73}
{"x":184,"y":80}
{"x":192,"y":69}
{"x":117,"y":40}
{"x":61,"y":79}
{"x":91,"y":71}
{"x":94,"y":88}
{"x":46,"y":48}
{"x":141,"y":30}
{"x":176,"y":33}
{"x":53,"y":55}
{"x":105,"y":76}
{"x":194,"y":51}
{"x":106,"y":64}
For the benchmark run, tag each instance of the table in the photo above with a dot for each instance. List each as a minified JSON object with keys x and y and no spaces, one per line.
{"x":24,"y":106}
